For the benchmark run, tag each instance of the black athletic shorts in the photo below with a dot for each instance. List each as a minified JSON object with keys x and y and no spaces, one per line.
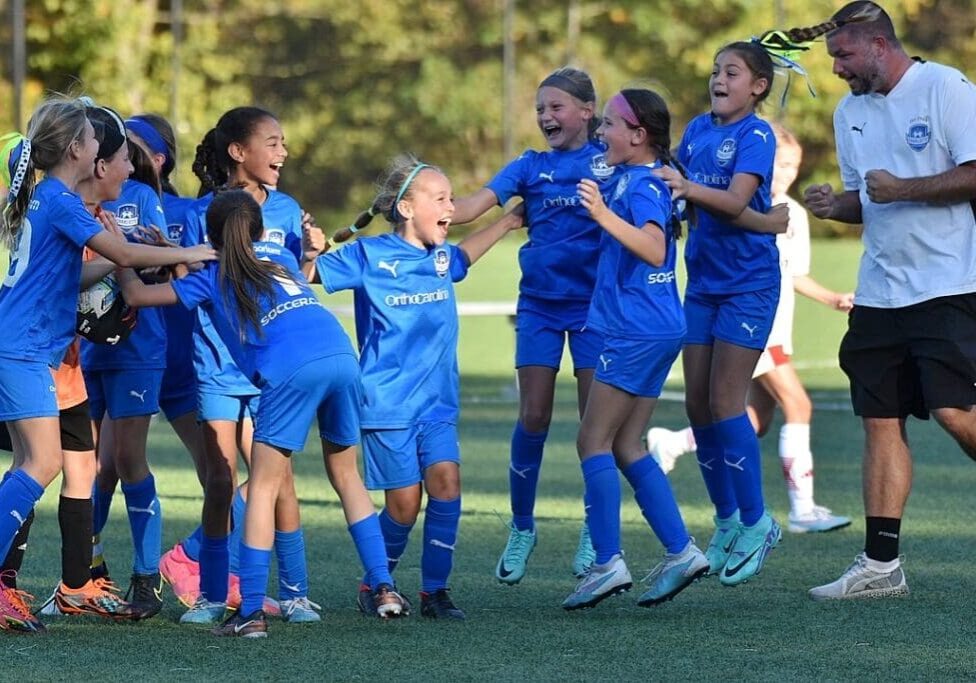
{"x":910,"y":360}
{"x":76,"y":430}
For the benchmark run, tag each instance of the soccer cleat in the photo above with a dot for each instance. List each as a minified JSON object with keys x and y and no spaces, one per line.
{"x":364,"y":600}
{"x":585,"y":554}
{"x":98,"y":597}
{"x":145,"y":595}
{"x":860,"y":581}
{"x":438,"y":605}
{"x":603,"y":581}
{"x":511,"y":565}
{"x":300,"y":610}
{"x":50,"y":606}
{"x":15,"y":613}
{"x":819,"y":519}
{"x":388,"y":603}
{"x":673,"y":574}
{"x":204,"y":612}
{"x":254,"y":625}
{"x":717,"y":552}
{"x":750,"y":551}
{"x":182,"y":574}
{"x":666,"y":447}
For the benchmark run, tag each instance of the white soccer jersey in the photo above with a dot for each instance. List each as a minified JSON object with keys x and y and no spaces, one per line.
{"x":913,"y":251}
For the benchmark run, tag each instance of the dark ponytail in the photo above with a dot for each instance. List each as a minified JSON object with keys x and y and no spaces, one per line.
{"x":234,"y":223}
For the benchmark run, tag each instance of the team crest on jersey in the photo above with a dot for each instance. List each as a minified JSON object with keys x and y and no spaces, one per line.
{"x":919,"y":133}
{"x":174,"y":232}
{"x":275,"y":236}
{"x":621,"y":187}
{"x":725,"y":152}
{"x":599,"y":167}
{"x":442,"y":262}
{"x":127,"y":216}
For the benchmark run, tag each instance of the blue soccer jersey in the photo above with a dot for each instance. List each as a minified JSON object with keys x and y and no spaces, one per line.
{"x":294,"y":326}
{"x":406,"y":325}
{"x":145,"y":348}
{"x":216,"y":371}
{"x":722,"y":258}
{"x":633,"y":299}
{"x":559,"y":260}
{"x":39,"y":295}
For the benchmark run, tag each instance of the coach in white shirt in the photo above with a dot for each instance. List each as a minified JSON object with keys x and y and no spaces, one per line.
{"x":906,"y":146}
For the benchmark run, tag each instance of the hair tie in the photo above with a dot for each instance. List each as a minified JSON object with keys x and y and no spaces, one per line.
{"x":406,"y":184}
{"x":783,"y":50}
{"x":622,"y":106}
{"x":15,"y":174}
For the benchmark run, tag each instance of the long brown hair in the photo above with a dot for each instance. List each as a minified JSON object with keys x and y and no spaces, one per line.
{"x":234,"y":223}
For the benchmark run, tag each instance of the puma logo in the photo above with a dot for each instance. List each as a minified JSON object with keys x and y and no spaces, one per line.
{"x":149,"y":510}
{"x":383,"y":265}
{"x":738,"y":464}
{"x":441,"y":544}
{"x":606,"y":361}
{"x":760,"y":133}
{"x":655,"y":188}
{"x":519,"y":472}
{"x":707,"y":464}
{"x":548,"y":176}
{"x":140,"y":396}
{"x":690,"y":147}
{"x":750,"y":330}
{"x":860,"y":129}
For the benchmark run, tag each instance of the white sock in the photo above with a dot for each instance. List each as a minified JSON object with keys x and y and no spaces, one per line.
{"x":882,"y":567}
{"x":797,"y":461}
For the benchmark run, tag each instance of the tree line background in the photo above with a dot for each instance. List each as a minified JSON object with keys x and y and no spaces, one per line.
{"x":354,"y":83}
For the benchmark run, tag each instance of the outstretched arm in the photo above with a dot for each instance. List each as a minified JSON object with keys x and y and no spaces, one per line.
{"x":775,"y":222}
{"x":467,"y":209}
{"x":728,"y":204}
{"x":810,"y":288}
{"x":477,"y":244}
{"x":138,"y":294}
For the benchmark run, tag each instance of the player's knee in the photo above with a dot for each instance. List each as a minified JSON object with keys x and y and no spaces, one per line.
{"x":443,"y":481}
{"x":404,"y":509}
{"x":535,"y":419}
{"x":959,"y":422}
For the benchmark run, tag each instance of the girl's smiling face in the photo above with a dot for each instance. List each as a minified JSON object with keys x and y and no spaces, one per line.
{"x":618,"y":136}
{"x":563,"y":119}
{"x":260,"y":158}
{"x":428,"y":210}
{"x":733,"y":88}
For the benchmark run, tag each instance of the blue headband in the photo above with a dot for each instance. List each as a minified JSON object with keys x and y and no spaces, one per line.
{"x":406,"y":185}
{"x":150,"y":135}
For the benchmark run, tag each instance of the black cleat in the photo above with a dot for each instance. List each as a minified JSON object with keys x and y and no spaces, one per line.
{"x":145,"y":595}
{"x":438,"y":605}
{"x":254,"y":625}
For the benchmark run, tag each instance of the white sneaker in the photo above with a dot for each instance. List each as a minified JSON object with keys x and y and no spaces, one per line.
{"x":603,"y":581}
{"x":860,"y":581}
{"x":666,"y":446}
{"x":818,"y":519}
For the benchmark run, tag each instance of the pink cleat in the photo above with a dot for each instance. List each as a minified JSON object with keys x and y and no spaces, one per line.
{"x":271,"y":607}
{"x":182,"y":574}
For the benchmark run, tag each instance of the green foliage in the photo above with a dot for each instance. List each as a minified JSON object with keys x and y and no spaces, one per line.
{"x":355,"y":83}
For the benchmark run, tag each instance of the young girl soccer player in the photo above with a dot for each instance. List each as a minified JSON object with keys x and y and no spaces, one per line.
{"x":404,"y":290}
{"x":245,"y":149}
{"x":123,"y":383}
{"x":46,"y":225}
{"x":730,"y":300}
{"x":775,"y":381}
{"x":558,"y":273}
{"x":288,"y":344}
{"x":77,"y":592}
{"x":637,"y":310}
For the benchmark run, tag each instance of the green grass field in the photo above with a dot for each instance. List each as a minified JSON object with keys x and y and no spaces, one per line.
{"x":765,"y":630}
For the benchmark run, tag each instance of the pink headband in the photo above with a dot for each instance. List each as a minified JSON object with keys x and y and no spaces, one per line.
{"x":622,"y":106}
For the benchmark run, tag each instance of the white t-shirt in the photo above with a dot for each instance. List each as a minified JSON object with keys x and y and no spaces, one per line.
{"x":913,"y":251}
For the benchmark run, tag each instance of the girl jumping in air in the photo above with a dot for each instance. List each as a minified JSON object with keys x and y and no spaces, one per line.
{"x":637,"y":310}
